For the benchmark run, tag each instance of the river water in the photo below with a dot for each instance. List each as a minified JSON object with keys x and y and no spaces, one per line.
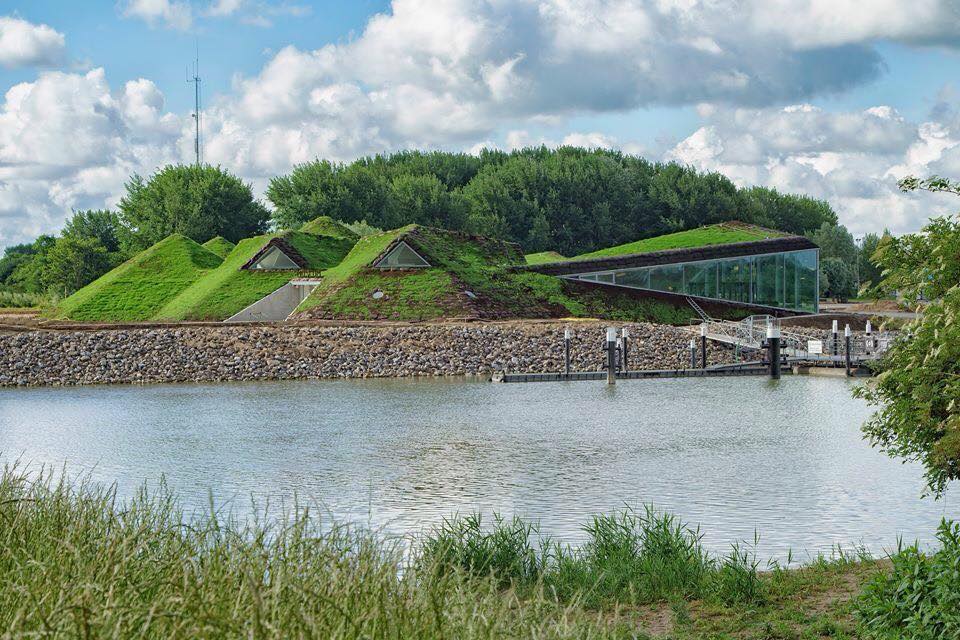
{"x":734,"y":455}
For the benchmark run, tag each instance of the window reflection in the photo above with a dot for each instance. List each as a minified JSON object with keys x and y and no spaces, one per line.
{"x":787,"y":280}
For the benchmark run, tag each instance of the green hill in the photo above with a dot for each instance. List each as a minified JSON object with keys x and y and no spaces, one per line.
{"x":219,"y":245}
{"x":723,"y":233}
{"x":327,"y":226}
{"x":137,"y":289}
{"x":228,"y":289}
{"x":544,"y":257}
{"x":467,"y":277}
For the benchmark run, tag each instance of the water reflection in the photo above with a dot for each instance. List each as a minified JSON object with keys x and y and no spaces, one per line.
{"x":736,"y":455}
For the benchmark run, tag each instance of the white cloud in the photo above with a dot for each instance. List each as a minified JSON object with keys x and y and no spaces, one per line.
{"x":25,"y":44}
{"x":111,"y":135}
{"x":224,"y":7}
{"x":258,"y":13}
{"x":171,"y":13}
{"x":448,"y":74}
{"x":851,"y":159}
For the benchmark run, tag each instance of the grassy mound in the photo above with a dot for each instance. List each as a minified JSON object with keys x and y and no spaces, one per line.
{"x":543,"y":257}
{"x":139,"y":287}
{"x":80,"y":562}
{"x":327,"y":226}
{"x":219,"y":245}
{"x":228,"y":289}
{"x":723,"y":233}
{"x":469,"y":277}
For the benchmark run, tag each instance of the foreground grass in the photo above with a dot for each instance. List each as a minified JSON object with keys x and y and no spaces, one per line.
{"x":76,"y":562}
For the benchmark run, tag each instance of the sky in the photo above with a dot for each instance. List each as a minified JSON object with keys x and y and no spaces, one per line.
{"x":835,"y":99}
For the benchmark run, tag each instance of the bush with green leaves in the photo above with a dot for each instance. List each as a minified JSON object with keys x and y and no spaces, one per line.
{"x":920,"y":597}
{"x":917,"y":391}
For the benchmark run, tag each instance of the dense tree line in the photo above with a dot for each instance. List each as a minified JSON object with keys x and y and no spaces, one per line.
{"x":569,"y":200}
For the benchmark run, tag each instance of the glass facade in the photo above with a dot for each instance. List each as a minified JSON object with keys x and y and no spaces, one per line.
{"x":787,"y":280}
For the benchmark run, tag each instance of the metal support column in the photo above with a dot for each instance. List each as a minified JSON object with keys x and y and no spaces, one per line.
{"x":773,"y":344}
{"x":703,"y":345}
{"x":846,"y":344}
{"x":624,"y":335}
{"x":611,"y":355}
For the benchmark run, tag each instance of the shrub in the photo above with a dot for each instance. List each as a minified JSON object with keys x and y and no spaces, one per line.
{"x":920,"y":597}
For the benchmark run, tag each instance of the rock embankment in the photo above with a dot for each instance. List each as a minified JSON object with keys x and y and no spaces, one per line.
{"x":228,"y":353}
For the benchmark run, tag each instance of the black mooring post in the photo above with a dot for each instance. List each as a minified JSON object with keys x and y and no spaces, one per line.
{"x":624,"y":335}
{"x":611,"y":355}
{"x":703,"y":345}
{"x":846,"y":345}
{"x":566,"y":352}
{"x":773,"y":344}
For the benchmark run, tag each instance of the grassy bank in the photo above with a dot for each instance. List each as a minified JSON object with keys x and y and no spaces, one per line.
{"x":76,"y":562}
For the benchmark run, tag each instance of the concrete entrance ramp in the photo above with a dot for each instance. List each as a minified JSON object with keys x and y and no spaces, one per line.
{"x":277,"y":306}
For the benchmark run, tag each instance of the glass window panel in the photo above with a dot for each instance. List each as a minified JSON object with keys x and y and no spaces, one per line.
{"x":274,"y":259}
{"x":667,"y":277}
{"x":402,"y":256}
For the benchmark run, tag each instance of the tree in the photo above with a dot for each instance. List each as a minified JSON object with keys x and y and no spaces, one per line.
{"x":200,"y":202}
{"x":869,"y":271}
{"x":28,"y":275}
{"x":840,"y":282}
{"x":917,"y":393}
{"x":74,"y":262}
{"x":423,"y":200}
{"x":835,"y":242}
{"x":568,"y":199}
{"x":310,"y":191}
{"x":101,"y":225}
{"x":13,"y":257}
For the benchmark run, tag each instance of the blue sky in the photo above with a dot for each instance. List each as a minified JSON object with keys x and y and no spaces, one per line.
{"x":833,"y":99}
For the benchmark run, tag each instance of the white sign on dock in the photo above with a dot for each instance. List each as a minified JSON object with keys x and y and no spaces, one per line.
{"x":814,"y":346}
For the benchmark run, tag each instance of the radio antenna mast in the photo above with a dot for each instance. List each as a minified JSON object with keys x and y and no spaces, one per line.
{"x":195,"y":79}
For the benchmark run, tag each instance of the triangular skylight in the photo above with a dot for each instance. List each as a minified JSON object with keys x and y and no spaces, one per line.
{"x":402,"y":256}
{"x":274,"y":259}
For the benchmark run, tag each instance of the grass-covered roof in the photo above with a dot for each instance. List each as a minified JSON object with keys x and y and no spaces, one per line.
{"x":219,"y":245}
{"x":543,"y":257}
{"x":463,"y":279}
{"x":229,"y":288}
{"x":469,"y":276}
{"x":139,"y":287}
{"x":327,"y":226}
{"x":722,"y":233}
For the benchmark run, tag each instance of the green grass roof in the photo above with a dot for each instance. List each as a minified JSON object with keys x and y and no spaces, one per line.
{"x":722,"y":233}
{"x":458,"y":263}
{"x":327,"y":226}
{"x":219,"y":245}
{"x":229,"y":289}
{"x":139,"y":287}
{"x":544,"y":257}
